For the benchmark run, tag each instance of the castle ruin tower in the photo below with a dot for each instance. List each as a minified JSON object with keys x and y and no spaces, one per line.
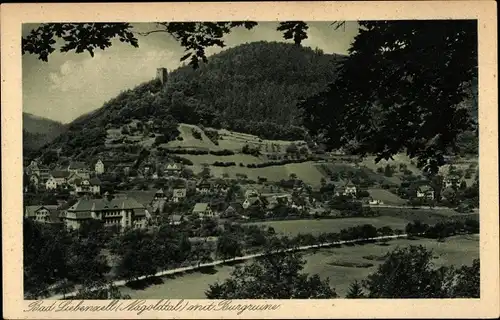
{"x":162,"y":75}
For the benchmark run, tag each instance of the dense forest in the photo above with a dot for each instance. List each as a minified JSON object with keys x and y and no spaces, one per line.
{"x":38,"y":131}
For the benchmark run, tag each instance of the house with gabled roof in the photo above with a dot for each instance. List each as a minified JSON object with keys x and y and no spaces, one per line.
{"x":60,"y":176}
{"x":78,"y":167}
{"x":203,"y":187}
{"x":125,"y":212}
{"x":203,"y":210}
{"x":87,"y":186}
{"x":252,"y":201}
{"x":425,"y":191}
{"x":43,"y":213}
{"x":451,"y":181}
{"x":173,"y":168}
{"x":233,"y":209}
{"x":346,"y":188}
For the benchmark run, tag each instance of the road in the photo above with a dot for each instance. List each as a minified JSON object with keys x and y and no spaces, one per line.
{"x":120,"y":283}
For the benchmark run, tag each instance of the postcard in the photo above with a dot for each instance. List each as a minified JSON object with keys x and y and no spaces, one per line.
{"x":250,"y":160}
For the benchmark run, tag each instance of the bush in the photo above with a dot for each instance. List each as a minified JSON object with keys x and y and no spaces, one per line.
{"x":224,"y":152}
{"x":223,"y":164}
{"x":251,"y":151}
{"x":196,"y":134}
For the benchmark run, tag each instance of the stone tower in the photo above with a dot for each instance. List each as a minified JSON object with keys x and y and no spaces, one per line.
{"x":162,"y":75}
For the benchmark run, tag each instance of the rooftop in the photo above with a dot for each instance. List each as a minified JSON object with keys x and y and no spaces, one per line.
{"x":77,"y":165}
{"x":31,"y":210}
{"x":200,"y":207}
{"x":104,"y":204}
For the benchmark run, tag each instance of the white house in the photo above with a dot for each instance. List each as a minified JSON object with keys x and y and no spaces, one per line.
{"x":99,"y":167}
{"x":87,"y":186}
{"x":51,"y":183}
{"x":178,"y":194}
{"x":173,"y":168}
{"x":345,"y":188}
{"x":425,"y":192}
{"x":43,"y":213}
{"x":203,"y":187}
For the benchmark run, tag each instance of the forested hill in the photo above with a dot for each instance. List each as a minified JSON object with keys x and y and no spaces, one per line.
{"x":38,"y":131}
{"x":239,"y":87}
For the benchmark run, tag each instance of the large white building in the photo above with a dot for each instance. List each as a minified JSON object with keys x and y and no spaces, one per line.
{"x":125,"y":212}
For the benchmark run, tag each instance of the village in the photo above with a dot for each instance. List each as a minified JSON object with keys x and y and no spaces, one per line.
{"x":158,"y":192}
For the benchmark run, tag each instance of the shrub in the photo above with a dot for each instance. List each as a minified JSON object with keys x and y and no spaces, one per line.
{"x":196,"y":134}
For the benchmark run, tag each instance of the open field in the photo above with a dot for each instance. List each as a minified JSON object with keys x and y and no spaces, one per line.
{"x":386,"y":196}
{"x":428,"y":216}
{"x":235,"y":141}
{"x":458,"y":250}
{"x":315,"y":227}
{"x":209,"y":159}
{"x":191,"y":142}
{"x":305,"y":171}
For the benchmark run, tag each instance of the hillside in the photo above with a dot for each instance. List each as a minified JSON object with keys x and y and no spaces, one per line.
{"x":253,"y":88}
{"x":38,"y":131}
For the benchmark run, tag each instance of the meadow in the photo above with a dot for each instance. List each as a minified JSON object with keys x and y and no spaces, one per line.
{"x":457,"y":250}
{"x":316,"y":227}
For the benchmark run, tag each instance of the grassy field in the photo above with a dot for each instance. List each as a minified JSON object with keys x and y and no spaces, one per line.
{"x":188,"y":141}
{"x":386,"y":196}
{"x":428,"y":216}
{"x":305,"y":171}
{"x":315,"y":227}
{"x":209,"y":158}
{"x":456,"y":251}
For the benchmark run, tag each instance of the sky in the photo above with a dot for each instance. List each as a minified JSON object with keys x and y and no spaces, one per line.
{"x":72,"y":84}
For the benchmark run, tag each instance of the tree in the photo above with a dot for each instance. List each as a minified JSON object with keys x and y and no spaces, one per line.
{"x":138,"y":252}
{"x":202,"y":252}
{"x":195,"y":37}
{"x":388,"y":171}
{"x":406,"y":273}
{"x":45,"y":256}
{"x":463,"y":185}
{"x":205,"y":173}
{"x":409,"y":97}
{"x":228,"y":246}
{"x":274,"y":276}
{"x":467,"y":282}
{"x":292,"y":148}
{"x":85,"y":261}
{"x":355,"y":291}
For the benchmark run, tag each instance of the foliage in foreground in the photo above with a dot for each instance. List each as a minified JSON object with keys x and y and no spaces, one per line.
{"x":274,"y":276}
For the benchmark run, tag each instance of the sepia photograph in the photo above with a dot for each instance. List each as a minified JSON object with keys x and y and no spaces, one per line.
{"x":249,"y":159}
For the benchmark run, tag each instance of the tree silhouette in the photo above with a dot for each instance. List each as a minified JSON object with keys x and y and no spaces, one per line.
{"x":401,"y":90}
{"x":355,"y":291}
{"x":274,"y":276}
